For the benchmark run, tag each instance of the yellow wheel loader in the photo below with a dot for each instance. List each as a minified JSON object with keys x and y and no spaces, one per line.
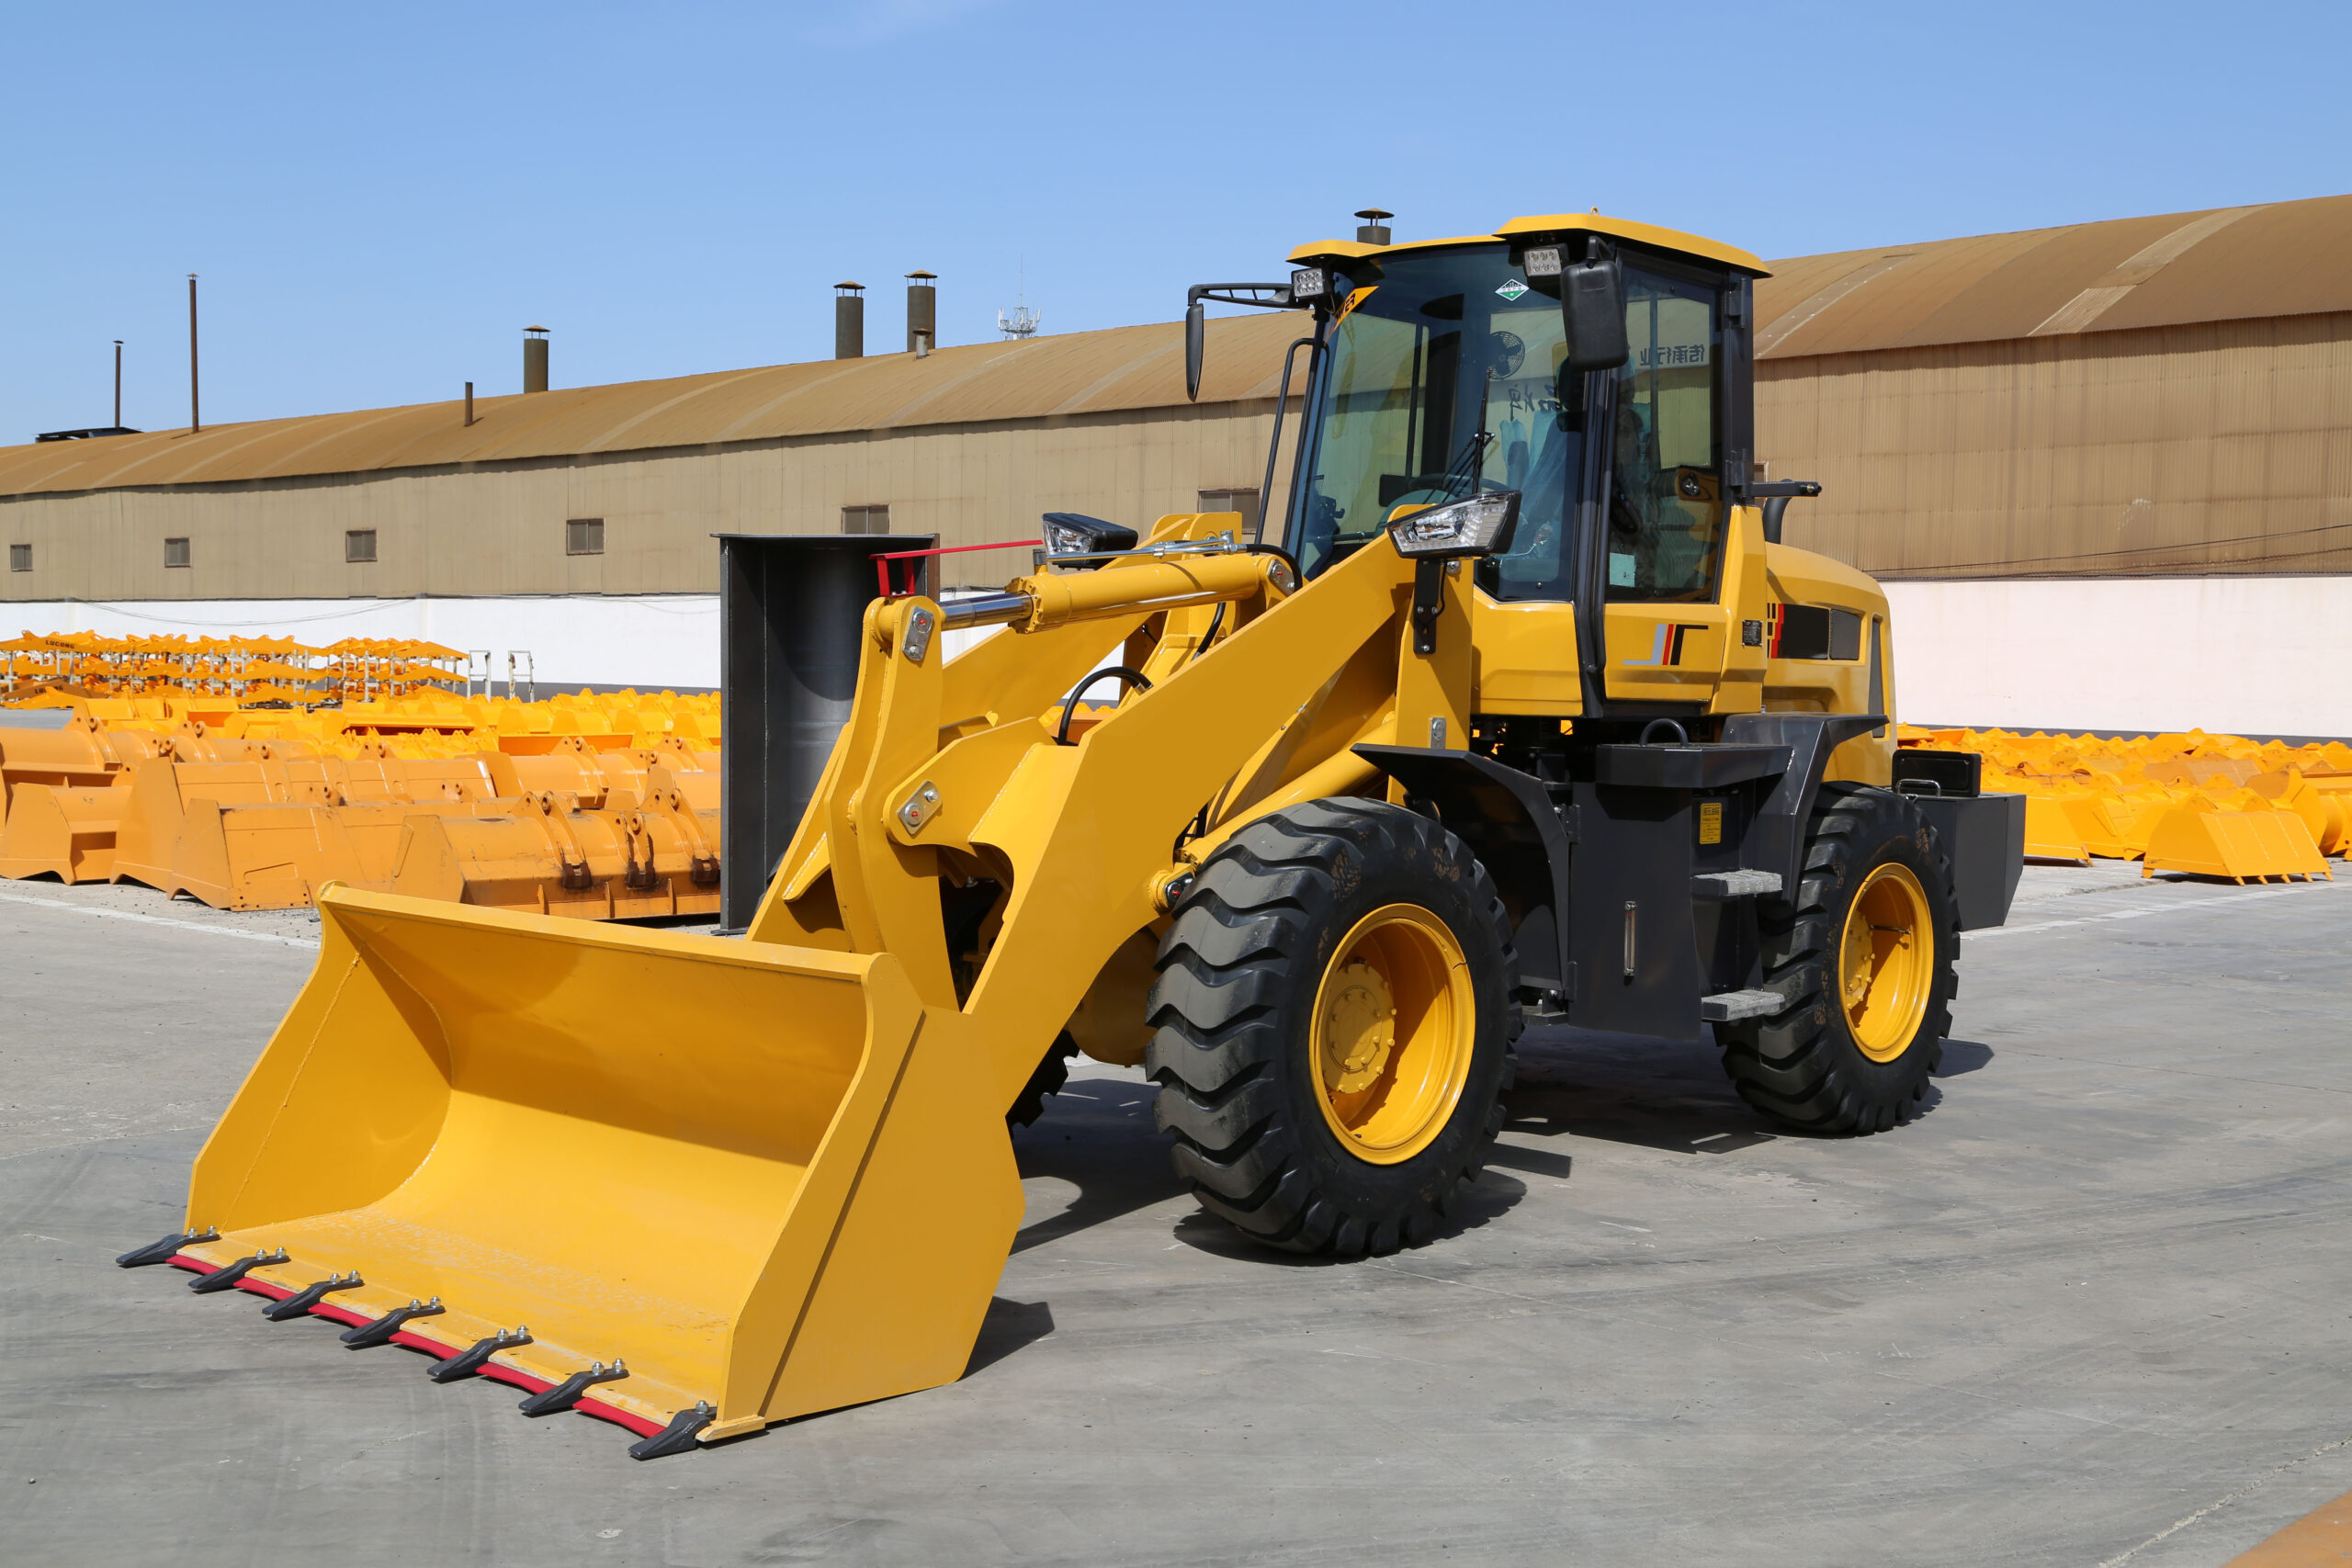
{"x":1523,"y":719}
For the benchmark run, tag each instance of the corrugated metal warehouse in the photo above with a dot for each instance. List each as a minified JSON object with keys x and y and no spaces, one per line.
{"x":2152,"y":396}
{"x":969,"y":443}
{"x":2019,"y":432}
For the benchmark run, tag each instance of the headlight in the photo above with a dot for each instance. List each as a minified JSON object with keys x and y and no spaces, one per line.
{"x":1308,"y":284}
{"x":1543,"y":261}
{"x":1074,"y":534}
{"x":1479,"y":525}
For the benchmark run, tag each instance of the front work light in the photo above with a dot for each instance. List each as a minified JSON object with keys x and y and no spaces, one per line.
{"x":1479,"y":525}
{"x":1308,"y":284}
{"x":1074,"y":534}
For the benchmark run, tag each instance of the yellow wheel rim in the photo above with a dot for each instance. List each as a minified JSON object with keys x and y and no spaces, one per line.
{"x":1886,"y":965}
{"x":1393,"y":1028}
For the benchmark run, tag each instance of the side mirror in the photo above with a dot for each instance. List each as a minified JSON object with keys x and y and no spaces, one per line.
{"x":1264,"y":296}
{"x":1196,"y":347}
{"x":1592,"y":311}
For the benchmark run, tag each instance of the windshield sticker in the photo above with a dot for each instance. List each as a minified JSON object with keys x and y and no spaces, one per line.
{"x":1513,"y":289}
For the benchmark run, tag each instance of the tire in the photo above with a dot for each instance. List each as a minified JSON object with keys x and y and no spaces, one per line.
{"x":1821,"y":1065}
{"x":1321,"y":1138}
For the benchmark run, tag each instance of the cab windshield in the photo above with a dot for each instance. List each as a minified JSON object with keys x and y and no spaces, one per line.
{"x":1446,"y":379}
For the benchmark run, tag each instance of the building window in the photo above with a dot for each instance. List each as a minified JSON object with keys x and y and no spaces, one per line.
{"x":584,"y":536}
{"x":865,"y":519}
{"x":21,"y":557}
{"x":1245,"y":502}
{"x":359,"y":545}
{"x":175,"y":552}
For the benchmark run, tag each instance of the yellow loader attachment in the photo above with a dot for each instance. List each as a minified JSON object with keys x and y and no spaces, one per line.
{"x":695,"y":1185}
{"x":65,"y":833}
{"x":766,"y":1182}
{"x":2239,"y":846}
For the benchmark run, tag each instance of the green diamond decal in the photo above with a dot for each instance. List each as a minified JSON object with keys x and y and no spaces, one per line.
{"x":1513,"y":289}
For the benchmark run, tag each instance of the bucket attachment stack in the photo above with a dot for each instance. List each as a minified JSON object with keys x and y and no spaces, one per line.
{"x":2191,"y":802}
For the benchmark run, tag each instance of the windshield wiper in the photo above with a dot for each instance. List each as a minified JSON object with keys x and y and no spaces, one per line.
{"x":1462,"y":472}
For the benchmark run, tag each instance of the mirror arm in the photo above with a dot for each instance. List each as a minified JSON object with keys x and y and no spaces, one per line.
{"x":1265,"y":295}
{"x":1776,"y":494}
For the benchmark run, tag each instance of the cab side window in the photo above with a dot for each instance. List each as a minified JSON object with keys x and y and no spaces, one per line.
{"x":1667,"y":507}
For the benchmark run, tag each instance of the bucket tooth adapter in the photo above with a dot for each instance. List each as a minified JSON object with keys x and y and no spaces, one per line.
{"x":1528,"y":717}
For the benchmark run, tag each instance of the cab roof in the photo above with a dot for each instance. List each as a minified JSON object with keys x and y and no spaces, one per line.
{"x":1562,"y":223}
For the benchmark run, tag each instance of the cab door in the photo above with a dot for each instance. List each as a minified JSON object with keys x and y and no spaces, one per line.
{"x":1665,"y":526}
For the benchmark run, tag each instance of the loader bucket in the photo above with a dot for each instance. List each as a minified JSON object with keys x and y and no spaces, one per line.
{"x":2104,"y":825}
{"x":65,"y":833}
{"x":2050,"y":835}
{"x":275,"y":857}
{"x":540,"y":855}
{"x":2243,"y":846}
{"x":764,"y":1180}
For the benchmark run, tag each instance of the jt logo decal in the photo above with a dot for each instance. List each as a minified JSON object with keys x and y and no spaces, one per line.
{"x":1666,"y":651}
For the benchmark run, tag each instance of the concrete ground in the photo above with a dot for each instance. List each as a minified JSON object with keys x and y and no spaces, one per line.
{"x":2091,"y":1308}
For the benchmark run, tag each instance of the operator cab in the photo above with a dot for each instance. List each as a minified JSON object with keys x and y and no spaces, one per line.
{"x":1598,"y":368}
{"x":1444,"y":370}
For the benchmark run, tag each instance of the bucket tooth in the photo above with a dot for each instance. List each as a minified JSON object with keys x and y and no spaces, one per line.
{"x":163,"y":1251}
{"x":567,"y":1393}
{"x":300,"y":1303}
{"x":472,"y":1359}
{"x":683,"y":1433}
{"x":225,"y":1277}
{"x":382,"y":1330}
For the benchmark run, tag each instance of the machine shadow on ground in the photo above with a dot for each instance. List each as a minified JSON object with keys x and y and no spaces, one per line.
{"x":1658,"y":1094}
{"x":1098,"y":1136}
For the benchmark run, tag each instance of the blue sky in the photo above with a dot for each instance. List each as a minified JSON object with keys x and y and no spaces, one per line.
{"x":379,"y":198}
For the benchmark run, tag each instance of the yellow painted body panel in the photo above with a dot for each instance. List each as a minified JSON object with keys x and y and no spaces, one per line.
{"x":1804,"y":685}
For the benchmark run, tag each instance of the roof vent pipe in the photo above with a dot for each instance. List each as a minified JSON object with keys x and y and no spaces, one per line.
{"x":535,"y":359}
{"x":922,"y":311}
{"x":1374,"y":230}
{"x":849,"y":321}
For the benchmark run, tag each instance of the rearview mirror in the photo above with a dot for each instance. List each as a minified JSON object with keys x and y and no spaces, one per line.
{"x":1592,"y":311}
{"x":1195,"y":346}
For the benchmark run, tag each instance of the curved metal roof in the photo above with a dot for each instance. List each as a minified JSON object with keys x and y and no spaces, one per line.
{"x":2280,"y":259}
{"x":1075,"y":372}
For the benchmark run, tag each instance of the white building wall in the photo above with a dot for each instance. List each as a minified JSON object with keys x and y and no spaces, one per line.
{"x":2244,"y":654}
